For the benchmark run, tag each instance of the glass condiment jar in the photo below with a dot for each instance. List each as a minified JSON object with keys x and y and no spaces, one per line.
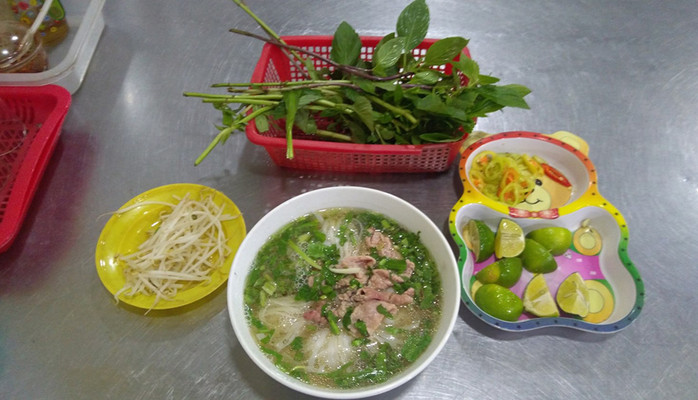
{"x":12,"y":59}
{"x":54,"y":27}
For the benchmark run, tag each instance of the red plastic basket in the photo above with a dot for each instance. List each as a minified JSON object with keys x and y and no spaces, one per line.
{"x":30,"y":122}
{"x":312,"y":153}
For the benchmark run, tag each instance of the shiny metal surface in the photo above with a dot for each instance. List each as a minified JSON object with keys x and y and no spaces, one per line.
{"x":623,"y":75}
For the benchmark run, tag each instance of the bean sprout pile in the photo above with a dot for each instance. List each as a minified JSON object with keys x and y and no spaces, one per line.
{"x":186,"y":246}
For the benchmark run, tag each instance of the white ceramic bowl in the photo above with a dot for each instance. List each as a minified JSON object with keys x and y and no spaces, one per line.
{"x":357,"y":197}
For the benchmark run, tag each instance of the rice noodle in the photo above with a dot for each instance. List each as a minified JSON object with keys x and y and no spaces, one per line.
{"x":286,"y":315}
{"x":328,"y":352}
{"x":188,"y":244}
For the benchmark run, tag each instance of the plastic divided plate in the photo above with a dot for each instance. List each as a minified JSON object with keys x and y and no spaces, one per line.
{"x":599,"y":249}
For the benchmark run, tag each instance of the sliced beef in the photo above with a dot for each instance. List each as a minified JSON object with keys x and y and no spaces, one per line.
{"x":314,"y":314}
{"x":368,"y":313}
{"x":382,"y":244}
{"x":368,"y":293}
{"x":407,"y":297}
{"x":376,"y":288}
{"x":342,"y":303}
{"x":363,"y":263}
{"x":382,"y":279}
{"x":409,"y":269}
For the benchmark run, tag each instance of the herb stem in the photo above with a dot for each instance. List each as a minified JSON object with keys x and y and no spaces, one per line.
{"x":360,"y":72}
{"x":341,"y":107}
{"x":242,"y":101}
{"x":296,"y":57}
{"x":392,"y":108}
{"x":225,"y":133}
{"x":333,"y":135}
{"x":283,"y":83}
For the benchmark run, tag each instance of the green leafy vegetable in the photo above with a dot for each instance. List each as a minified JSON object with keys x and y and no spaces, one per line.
{"x":393,"y":98}
{"x":412,"y":24}
{"x":388,"y":54}
{"x":346,"y":45}
{"x":444,"y":50}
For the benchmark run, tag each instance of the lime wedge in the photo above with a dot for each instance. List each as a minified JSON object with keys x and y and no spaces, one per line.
{"x":499,"y":302}
{"x":573,"y":295}
{"x":479,"y":238}
{"x":509,"y":239}
{"x":505,"y":272}
{"x":537,"y":259}
{"x":537,"y":298}
{"x":554,"y":238}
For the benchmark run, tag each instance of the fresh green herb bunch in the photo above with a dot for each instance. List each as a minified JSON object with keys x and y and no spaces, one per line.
{"x":394,"y":98}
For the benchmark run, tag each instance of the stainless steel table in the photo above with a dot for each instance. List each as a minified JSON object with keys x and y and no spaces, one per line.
{"x":623,"y":75}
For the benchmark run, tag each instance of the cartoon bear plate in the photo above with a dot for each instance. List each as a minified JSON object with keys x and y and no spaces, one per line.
{"x":559,"y":191}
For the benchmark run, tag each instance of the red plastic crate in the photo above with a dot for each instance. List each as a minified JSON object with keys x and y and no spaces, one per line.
{"x":315,"y":154}
{"x":26,"y":148}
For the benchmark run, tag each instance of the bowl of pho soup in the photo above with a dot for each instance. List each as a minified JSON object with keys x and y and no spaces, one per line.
{"x":343,"y":292}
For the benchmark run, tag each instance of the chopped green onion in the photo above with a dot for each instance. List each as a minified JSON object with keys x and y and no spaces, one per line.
{"x":269,"y":287}
{"x":382,"y":310}
{"x":361,"y":327}
{"x":346,"y":319}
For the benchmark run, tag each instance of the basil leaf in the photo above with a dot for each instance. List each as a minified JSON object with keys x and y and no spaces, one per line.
{"x":385,"y":133}
{"x":365,"y":85}
{"x":358,"y":133}
{"x":389,"y":53}
{"x":487,"y":80}
{"x":413,"y":23}
{"x":444,"y":50}
{"x":305,"y":122}
{"x":506,"y":95}
{"x":262,"y":123}
{"x":228,"y":115}
{"x":383,"y":40}
{"x":428,"y":77}
{"x":387,"y":85}
{"x":437,"y":137}
{"x":346,"y":45}
{"x":308,"y":96}
{"x":431,"y":103}
{"x":469,"y":68}
{"x":362,"y":107}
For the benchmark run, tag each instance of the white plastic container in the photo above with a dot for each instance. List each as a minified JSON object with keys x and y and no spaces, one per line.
{"x":68,"y":61}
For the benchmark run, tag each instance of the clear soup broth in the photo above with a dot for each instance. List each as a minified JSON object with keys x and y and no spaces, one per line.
{"x":343,"y":298}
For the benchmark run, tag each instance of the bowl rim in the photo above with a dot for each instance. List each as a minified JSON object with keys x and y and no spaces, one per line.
{"x":338,"y":196}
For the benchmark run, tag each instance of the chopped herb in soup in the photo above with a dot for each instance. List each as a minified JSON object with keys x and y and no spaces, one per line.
{"x":343,"y":298}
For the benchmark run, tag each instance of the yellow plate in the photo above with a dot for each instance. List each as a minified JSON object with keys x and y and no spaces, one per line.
{"x":123,"y":233}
